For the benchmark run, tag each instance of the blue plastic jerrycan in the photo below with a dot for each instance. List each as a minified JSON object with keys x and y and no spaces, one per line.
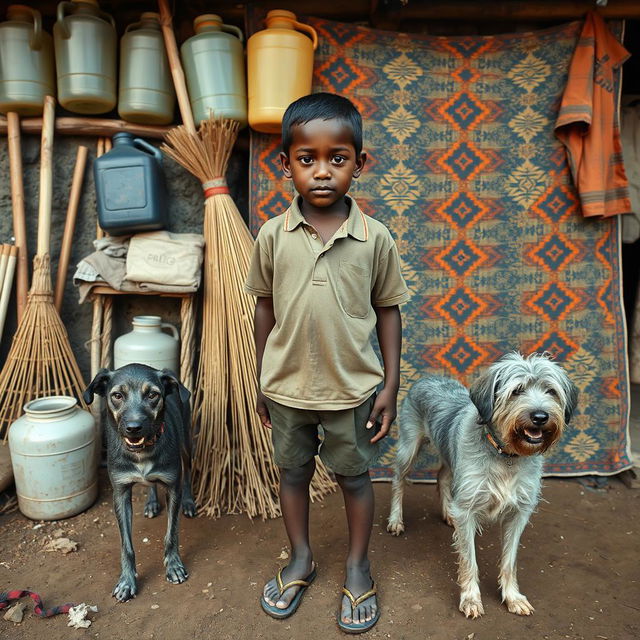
{"x":131,"y":193}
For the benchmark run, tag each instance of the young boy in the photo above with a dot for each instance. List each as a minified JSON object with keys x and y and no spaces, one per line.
{"x":325,"y":275}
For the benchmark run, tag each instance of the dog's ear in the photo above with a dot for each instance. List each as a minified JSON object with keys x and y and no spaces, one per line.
{"x":169,"y":381}
{"x":482,"y":394}
{"x":98,"y":386}
{"x":571,"y":393}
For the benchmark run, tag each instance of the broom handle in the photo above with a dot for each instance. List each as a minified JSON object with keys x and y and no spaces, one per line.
{"x":5,"y":294}
{"x":176,"y":67}
{"x":46,"y":176}
{"x":70,"y":224}
{"x":17,"y":204}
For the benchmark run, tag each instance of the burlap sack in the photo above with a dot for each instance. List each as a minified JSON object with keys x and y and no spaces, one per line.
{"x":165,"y":258}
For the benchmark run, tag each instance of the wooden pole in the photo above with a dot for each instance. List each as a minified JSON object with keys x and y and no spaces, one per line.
{"x":70,"y":225}
{"x":17,"y":205}
{"x":71,"y":126}
{"x":434,"y":10}
{"x":46,"y":177}
{"x":176,"y":67}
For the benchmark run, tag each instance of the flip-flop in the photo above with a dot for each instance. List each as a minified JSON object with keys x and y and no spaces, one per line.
{"x":276,"y":612}
{"x":358,"y":627}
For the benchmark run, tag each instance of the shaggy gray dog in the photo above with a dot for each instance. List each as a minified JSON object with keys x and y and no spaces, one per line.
{"x":489,"y":439}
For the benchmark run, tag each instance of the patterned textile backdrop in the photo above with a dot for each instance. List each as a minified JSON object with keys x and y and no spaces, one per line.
{"x":465,"y":171}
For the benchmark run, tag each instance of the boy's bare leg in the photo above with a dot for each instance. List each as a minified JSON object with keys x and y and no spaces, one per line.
{"x":294,"y":501}
{"x":359,"y":504}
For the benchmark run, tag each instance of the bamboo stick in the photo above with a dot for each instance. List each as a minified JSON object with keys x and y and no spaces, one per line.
{"x":7,"y":283}
{"x":72,"y":126}
{"x":70,"y":224}
{"x":17,"y":206}
{"x":176,"y":67}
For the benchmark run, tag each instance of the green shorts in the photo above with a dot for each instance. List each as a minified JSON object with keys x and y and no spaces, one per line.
{"x":345,"y":447}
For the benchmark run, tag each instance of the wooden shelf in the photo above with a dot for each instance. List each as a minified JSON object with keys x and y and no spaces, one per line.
{"x":108,"y":291}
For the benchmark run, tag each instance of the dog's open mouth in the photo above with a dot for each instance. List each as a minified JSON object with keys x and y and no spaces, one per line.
{"x":135,"y":443}
{"x":533,"y":435}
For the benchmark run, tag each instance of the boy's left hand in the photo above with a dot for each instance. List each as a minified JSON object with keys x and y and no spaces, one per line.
{"x":384,"y":408}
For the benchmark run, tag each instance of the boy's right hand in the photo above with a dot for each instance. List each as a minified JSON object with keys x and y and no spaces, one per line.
{"x":263,"y":411}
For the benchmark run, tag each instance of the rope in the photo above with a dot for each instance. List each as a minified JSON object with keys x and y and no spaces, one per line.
{"x":7,"y":597}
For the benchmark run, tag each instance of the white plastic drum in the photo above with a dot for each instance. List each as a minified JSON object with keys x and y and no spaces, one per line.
{"x":54,"y":454}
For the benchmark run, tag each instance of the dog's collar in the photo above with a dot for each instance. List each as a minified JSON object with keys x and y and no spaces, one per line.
{"x":494,"y":441}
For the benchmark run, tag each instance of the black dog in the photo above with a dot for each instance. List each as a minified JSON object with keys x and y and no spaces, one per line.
{"x":148,"y":440}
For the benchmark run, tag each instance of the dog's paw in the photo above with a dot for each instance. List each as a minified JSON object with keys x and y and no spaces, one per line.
{"x":176,"y":571}
{"x":125,"y":589}
{"x":519,"y":605}
{"x":152,"y":508}
{"x":189,"y":508}
{"x":395,"y":527}
{"x":471,"y":606}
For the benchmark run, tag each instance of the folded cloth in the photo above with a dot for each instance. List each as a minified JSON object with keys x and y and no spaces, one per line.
{"x":108,"y":265}
{"x":165,"y":258}
{"x":102,"y":268}
{"x":115,"y":246}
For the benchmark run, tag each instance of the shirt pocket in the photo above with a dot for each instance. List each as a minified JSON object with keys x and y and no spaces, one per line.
{"x":354,"y":289}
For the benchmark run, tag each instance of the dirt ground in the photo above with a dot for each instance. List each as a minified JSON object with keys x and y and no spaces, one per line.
{"x":578,"y":565}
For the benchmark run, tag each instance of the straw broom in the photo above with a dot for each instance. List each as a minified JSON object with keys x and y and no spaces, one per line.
{"x":40,"y":361}
{"x":233,"y":467}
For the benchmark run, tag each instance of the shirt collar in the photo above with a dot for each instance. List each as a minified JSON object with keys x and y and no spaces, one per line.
{"x":357,"y":226}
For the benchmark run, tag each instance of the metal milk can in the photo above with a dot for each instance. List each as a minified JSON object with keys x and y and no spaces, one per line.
{"x":26,"y":62}
{"x":85,"y":43}
{"x":214,"y":68}
{"x":279,"y":68}
{"x":145,"y":91}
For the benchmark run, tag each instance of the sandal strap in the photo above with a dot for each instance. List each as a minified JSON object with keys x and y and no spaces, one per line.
{"x":294,"y":583}
{"x":361,"y":598}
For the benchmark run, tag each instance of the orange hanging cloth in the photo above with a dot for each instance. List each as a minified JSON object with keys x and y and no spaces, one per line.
{"x":588,"y":124}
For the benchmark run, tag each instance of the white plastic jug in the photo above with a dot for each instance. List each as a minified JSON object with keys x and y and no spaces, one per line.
{"x":147,"y":344}
{"x":54,"y":455}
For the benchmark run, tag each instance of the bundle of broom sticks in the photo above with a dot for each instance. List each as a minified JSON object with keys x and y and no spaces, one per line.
{"x":233,"y":468}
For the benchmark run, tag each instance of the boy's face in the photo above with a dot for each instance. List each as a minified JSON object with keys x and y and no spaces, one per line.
{"x":322,"y":161}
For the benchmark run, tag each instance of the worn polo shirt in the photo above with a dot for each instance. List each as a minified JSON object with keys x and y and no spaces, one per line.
{"x":319,"y":354}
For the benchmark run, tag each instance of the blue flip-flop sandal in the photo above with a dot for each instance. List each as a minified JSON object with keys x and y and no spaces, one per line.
{"x":276,"y":612}
{"x":358,"y":627}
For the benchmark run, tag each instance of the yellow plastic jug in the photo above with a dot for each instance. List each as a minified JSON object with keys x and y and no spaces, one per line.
{"x":85,"y":45}
{"x":145,"y":91}
{"x":280,"y":68}
{"x":214,"y":69}
{"x":26,"y":62}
